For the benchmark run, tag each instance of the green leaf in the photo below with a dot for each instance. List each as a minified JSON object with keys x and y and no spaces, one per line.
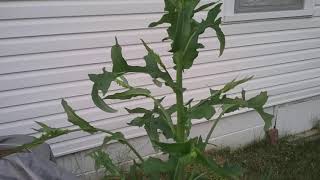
{"x":103,"y":81}
{"x":150,"y":124}
{"x":182,"y":163}
{"x":44,"y":128}
{"x":76,"y":120}
{"x":176,"y":148}
{"x":266,"y":117}
{"x":234,"y":83}
{"x":152,"y":130}
{"x":164,"y":19}
{"x":152,"y":61}
{"x":258,"y":101}
{"x":161,"y":124}
{"x":118,"y":136}
{"x":131,"y":93}
{"x":200,"y":144}
{"x":119,"y":63}
{"x":202,"y":110}
{"x":47,"y":134}
{"x":183,"y":30}
{"x":214,"y":167}
{"x":134,"y":171}
{"x":220,"y":35}
{"x":157,"y":166}
{"x":102,"y":159}
{"x":157,"y":83}
{"x":227,"y":108}
{"x":137,"y":111}
{"x":98,"y":101}
{"x":170,"y":14}
{"x":138,"y":121}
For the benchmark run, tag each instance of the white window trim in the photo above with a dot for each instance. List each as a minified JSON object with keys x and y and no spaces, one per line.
{"x":229,"y":14}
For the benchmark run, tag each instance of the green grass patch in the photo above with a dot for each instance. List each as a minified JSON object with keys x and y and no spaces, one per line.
{"x":299,"y":160}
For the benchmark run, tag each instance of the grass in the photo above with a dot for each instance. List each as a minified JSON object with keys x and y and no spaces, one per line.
{"x":299,"y":160}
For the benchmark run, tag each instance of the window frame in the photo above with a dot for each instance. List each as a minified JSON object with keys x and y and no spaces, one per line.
{"x":229,"y":14}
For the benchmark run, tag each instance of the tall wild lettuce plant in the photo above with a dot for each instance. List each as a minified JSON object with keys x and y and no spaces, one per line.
{"x":183,"y":33}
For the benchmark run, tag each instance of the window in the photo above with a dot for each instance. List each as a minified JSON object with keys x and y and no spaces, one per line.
{"x":244,"y":10}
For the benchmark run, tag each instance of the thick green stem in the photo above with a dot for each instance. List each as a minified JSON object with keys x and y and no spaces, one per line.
{"x":180,"y":104}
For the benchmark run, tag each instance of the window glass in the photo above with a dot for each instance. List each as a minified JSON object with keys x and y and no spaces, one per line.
{"x":247,"y":6}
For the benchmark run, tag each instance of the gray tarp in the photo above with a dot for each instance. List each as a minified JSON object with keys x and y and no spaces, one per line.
{"x":38,"y":164}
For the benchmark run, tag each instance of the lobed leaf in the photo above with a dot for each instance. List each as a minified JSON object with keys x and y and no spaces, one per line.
{"x":77,"y":120}
{"x":234,"y":83}
{"x":102,"y":83}
{"x":131,"y":93}
{"x":176,"y":148}
{"x":258,"y":101}
{"x":98,"y":101}
{"x":47,"y":134}
{"x":137,"y":111}
{"x":202,"y":110}
{"x":157,"y":166}
{"x":119,"y":63}
{"x":117,"y":136}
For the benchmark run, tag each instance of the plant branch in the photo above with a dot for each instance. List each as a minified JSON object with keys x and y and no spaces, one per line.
{"x":134,"y":151}
{"x":213,"y":127}
{"x":125,"y":141}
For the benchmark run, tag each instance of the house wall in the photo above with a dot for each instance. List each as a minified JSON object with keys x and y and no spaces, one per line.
{"x":47,"y":49}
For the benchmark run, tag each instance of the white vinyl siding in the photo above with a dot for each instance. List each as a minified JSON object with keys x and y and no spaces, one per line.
{"x":47,"y":49}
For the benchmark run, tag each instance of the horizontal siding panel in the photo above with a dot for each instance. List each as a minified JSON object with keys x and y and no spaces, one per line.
{"x":316,"y":13}
{"x":62,"y":75}
{"x":94,"y":114}
{"x":36,"y":9}
{"x":39,"y":27}
{"x":57,"y":91}
{"x":307,"y":81}
{"x":88,"y":142}
{"x":72,"y":25}
{"x":71,"y":8}
{"x":51,"y":107}
{"x":82,"y":88}
{"x":99,"y":55}
{"x":98,"y":40}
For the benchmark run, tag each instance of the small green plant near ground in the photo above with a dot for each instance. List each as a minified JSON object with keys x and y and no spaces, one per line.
{"x":294,"y":160}
{"x":183,"y":33}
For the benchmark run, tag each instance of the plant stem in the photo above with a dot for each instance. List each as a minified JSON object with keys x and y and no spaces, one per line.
{"x":125,"y":142}
{"x":212,"y":128}
{"x":180,"y":104}
{"x":134,"y":151}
